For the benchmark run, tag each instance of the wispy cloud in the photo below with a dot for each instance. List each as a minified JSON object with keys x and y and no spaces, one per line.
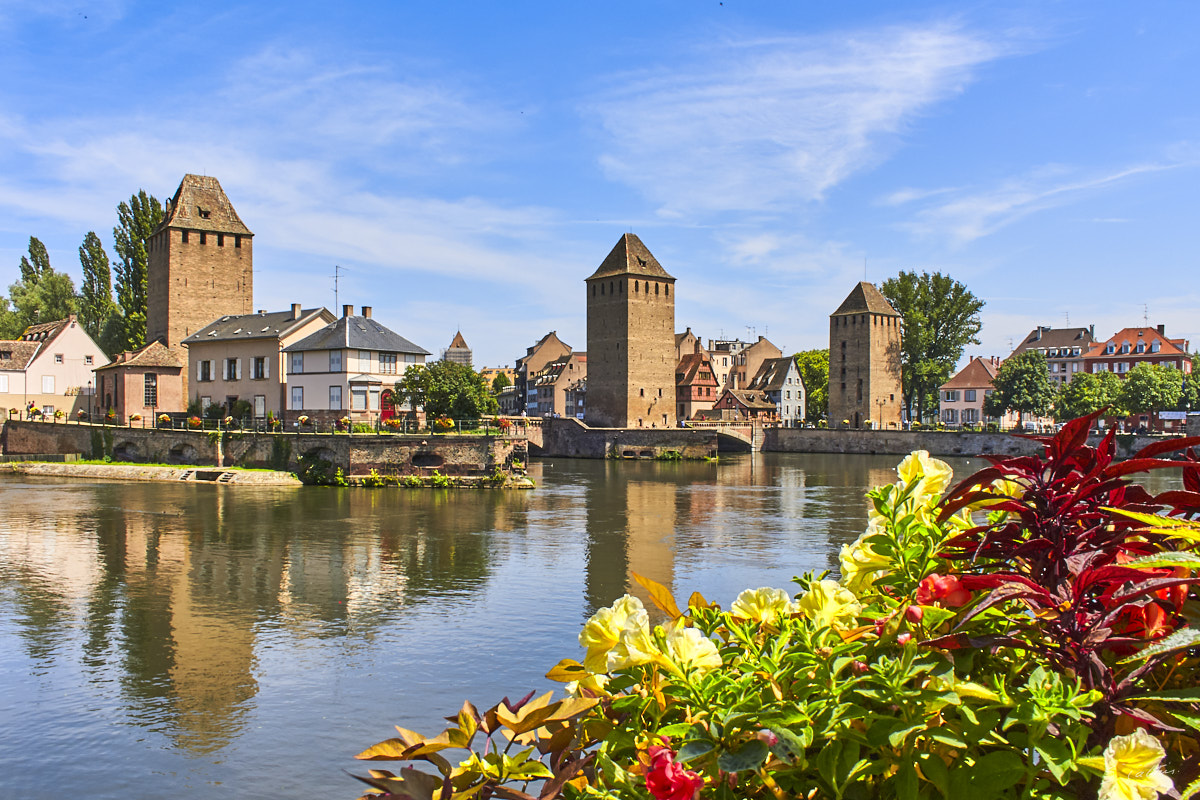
{"x":965,"y":215}
{"x":755,"y":123}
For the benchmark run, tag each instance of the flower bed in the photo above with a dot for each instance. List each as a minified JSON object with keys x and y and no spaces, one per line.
{"x":1022,"y":634}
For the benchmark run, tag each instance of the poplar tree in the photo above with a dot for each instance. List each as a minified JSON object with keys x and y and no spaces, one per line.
{"x":42,"y":295}
{"x":136,"y":221}
{"x":814,"y":370}
{"x":96,"y":306}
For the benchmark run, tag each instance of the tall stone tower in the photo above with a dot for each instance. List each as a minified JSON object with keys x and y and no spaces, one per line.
{"x":200,"y":264}
{"x":631,"y":340}
{"x":864,"y":361}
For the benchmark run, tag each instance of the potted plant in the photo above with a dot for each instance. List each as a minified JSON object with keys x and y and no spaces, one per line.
{"x":393,"y":423}
{"x":443,"y":424}
{"x":302,"y":419}
{"x":134,"y":418}
{"x":59,"y":414}
{"x":195,"y":422}
{"x":343,"y":424}
{"x":81,"y":415}
{"x":504,"y":424}
{"x":164,"y":419}
{"x":110,"y":415}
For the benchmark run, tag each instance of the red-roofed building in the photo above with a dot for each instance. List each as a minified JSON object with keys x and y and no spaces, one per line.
{"x":962,"y":396}
{"x":1131,"y":346}
{"x":696,"y":387}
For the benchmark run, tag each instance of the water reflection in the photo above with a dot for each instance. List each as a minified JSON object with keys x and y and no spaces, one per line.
{"x":204,"y":640}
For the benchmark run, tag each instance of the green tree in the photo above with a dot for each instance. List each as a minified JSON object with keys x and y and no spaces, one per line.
{"x":42,"y":295}
{"x":814,"y":370}
{"x":447,"y":388}
{"x":96,"y":305}
{"x":37,"y":262}
{"x":1151,"y":387}
{"x":1088,"y":392}
{"x":1189,"y":397}
{"x":499,"y":382}
{"x":1022,"y":385}
{"x":939,"y":318}
{"x":136,"y":221}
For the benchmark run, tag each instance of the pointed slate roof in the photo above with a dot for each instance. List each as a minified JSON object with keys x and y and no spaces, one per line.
{"x":200,"y":204}
{"x":630,"y":257}
{"x":865,"y":299}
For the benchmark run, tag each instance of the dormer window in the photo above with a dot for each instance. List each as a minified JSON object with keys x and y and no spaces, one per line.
{"x":1141,"y":347}
{"x":1124,"y":348}
{"x":1110,"y":348}
{"x":203,"y":212}
{"x":1155,"y":346}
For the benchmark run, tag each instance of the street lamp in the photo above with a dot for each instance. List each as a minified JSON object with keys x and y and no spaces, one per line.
{"x":91,"y":395}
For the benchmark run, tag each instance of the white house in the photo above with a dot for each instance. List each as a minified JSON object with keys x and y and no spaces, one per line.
{"x":347,"y":369}
{"x":51,"y":367}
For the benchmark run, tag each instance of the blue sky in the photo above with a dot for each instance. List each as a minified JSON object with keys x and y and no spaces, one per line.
{"x":471,"y":163}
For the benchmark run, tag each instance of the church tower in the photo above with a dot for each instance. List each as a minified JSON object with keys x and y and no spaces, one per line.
{"x":200,"y":264}
{"x":864,"y":361}
{"x":631,"y":340}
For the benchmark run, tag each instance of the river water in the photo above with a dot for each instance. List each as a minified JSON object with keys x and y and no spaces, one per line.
{"x":210,"y":641}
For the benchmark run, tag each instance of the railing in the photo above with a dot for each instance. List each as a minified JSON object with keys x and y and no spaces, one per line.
{"x":485,"y":426}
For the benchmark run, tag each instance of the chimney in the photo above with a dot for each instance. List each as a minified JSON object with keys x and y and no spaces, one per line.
{"x":1037,"y":335}
{"x":347,"y":310}
{"x":1162,"y":330}
{"x":1092,"y":331}
{"x":366,"y":311}
{"x":295,"y":311}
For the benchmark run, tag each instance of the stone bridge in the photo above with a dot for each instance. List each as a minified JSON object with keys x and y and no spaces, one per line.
{"x":355,"y":454}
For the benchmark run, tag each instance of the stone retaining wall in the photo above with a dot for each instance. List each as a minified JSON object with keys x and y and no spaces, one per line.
{"x":354,"y":454}
{"x":938,"y":443}
{"x":571,"y":438}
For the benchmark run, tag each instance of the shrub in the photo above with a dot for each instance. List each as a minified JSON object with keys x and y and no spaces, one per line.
{"x":1025,"y":636}
{"x":438,"y":480}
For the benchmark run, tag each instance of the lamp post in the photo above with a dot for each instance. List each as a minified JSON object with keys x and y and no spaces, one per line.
{"x":91,"y":395}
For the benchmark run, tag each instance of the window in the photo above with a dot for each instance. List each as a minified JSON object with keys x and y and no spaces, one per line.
{"x":47,"y":384}
{"x":260,"y":405}
{"x":297,"y":398}
{"x":358,"y":399}
{"x":204,"y":371}
{"x":1155,"y":346}
{"x":87,"y":360}
{"x":410,"y":359}
{"x":387,"y":363}
{"x":150,"y":390}
{"x":205,"y":402}
{"x":1101,"y":367}
{"x":233,"y":369}
{"x":335,"y":398}
{"x":1054,"y":367}
{"x":1110,"y":348}
{"x":374,"y":398}
{"x":364,"y":360}
{"x":297,"y":362}
{"x":335,"y":361}
{"x":58,"y":358}
{"x":260,"y":369}
{"x":1122,"y":366}
{"x":184,"y":237}
{"x":203,"y":237}
{"x":3,"y":384}
{"x":1141,"y":347}
{"x":220,"y":240}
{"x":1124,"y":348}
{"x":969,"y":395}
{"x":950,"y":395}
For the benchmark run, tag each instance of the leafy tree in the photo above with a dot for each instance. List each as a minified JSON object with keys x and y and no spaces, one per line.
{"x":1151,"y":387}
{"x":8,"y":321}
{"x":939,"y":318}
{"x":499,"y":382}
{"x":814,"y":370}
{"x":42,"y":295}
{"x":96,"y":305}
{"x":447,"y":388}
{"x":1189,"y":398}
{"x":37,"y":263}
{"x":1086,"y":393}
{"x":136,"y":220}
{"x":1022,"y":385}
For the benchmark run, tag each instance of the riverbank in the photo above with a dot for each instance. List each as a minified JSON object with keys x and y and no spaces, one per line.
{"x":157,"y":474}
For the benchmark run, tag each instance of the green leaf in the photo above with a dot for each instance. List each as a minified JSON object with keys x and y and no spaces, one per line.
{"x":694,"y":749}
{"x":1191,"y":791}
{"x":749,"y":756}
{"x":1056,"y":757}
{"x":936,"y":773}
{"x":1181,"y":558}
{"x":678,"y":729}
{"x":896,"y":738}
{"x":1179,"y":640}
{"x":947,"y":737}
{"x":999,"y":770}
{"x":1170,"y":695}
{"x":790,"y":747}
{"x":907,"y":782}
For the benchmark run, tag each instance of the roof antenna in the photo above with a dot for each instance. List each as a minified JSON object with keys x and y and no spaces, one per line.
{"x":1146,"y":314}
{"x":1067,"y":314}
{"x":336,"y":271}
{"x":864,"y":268}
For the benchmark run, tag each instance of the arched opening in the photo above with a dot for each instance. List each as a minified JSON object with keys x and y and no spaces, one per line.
{"x":126,"y":451}
{"x":387,"y":405}
{"x":426,"y":460}
{"x":182,"y":453}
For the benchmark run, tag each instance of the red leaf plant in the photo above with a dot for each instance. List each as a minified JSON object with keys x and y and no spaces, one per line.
{"x":1058,"y":559}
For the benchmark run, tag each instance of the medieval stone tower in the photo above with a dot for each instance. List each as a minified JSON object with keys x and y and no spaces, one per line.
{"x":864,"y":361}
{"x":631,"y":340}
{"x":200,"y":264}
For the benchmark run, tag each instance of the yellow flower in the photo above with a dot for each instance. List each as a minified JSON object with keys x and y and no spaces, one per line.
{"x":688,"y":647}
{"x":762,"y":605}
{"x":1131,"y":768}
{"x":827,"y":603}
{"x":860,"y":565}
{"x":592,"y":683}
{"x":636,"y":646}
{"x":602,"y":632}
{"x":935,"y":472}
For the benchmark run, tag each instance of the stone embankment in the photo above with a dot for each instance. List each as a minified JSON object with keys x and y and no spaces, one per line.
{"x":129,"y":472}
{"x":938,"y":443}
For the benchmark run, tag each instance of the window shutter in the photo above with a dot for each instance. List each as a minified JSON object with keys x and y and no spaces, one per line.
{"x":267,"y":367}
{"x":199,"y":366}
{"x":237,"y":369}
